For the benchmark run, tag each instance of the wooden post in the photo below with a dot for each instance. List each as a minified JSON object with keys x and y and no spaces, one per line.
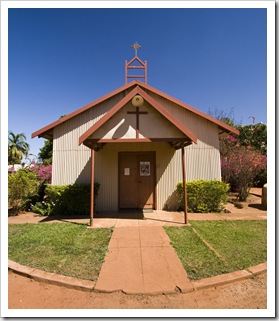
{"x":126,"y":73}
{"x":145,"y":72}
{"x":92,"y":188}
{"x":184,"y":185}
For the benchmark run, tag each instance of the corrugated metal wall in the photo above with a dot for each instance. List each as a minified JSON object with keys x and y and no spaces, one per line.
{"x":203,"y":158}
{"x":71,"y":162}
{"x":70,"y":159}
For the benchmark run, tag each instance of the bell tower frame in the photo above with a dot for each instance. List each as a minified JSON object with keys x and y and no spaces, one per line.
{"x":136,"y":65}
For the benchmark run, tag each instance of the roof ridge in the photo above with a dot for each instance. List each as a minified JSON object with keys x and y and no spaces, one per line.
{"x":137,"y":90}
{"x":129,"y":85}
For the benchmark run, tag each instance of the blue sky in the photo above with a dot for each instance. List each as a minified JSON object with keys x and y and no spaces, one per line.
{"x":62,"y":59}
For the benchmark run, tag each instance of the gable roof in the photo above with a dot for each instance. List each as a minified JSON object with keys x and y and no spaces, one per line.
{"x":47,"y":131}
{"x":137,"y":90}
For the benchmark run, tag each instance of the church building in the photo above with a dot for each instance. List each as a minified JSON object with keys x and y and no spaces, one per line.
{"x":137,"y":142}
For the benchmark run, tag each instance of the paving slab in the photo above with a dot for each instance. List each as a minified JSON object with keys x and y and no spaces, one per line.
{"x":103,"y":222}
{"x":153,"y":236}
{"x":156,"y":272}
{"x":141,"y":260}
{"x":125,"y":237}
{"x":121,"y":271}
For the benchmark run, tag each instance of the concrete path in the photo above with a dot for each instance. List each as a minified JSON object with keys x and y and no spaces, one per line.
{"x":141,"y":260}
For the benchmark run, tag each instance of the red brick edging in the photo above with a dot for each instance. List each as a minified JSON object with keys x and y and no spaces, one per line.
{"x":88,"y":286}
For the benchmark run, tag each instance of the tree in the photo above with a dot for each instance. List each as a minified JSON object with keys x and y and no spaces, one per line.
{"x":17,"y":148}
{"x":240,"y":166}
{"x":22,"y":187}
{"x":254,"y":135}
{"x":247,"y":150}
{"x":225,"y":117}
{"x":45,"y":154}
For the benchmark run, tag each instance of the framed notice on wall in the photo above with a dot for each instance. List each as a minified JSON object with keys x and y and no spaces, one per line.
{"x":144,"y":168}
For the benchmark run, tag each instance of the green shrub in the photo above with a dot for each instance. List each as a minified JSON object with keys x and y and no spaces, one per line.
{"x":204,"y":196}
{"x":42,"y":208}
{"x":71,"y":199}
{"x":22,"y":189}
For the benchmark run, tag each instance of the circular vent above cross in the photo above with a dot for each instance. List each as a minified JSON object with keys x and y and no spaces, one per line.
{"x":137,"y":101}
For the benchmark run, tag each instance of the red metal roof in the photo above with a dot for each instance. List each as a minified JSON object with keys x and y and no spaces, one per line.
{"x":46,"y":131}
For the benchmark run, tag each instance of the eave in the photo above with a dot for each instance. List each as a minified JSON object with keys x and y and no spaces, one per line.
{"x":47,"y":131}
{"x":189,"y":135}
{"x":41,"y":132}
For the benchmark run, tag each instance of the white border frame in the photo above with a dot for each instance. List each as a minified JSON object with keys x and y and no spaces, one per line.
{"x":270,"y":6}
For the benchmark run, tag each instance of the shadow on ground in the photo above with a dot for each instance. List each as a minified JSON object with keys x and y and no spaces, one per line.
{"x":257,"y":206}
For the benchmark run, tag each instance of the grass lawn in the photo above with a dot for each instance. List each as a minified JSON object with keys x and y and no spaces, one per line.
{"x":73,"y":250}
{"x":63,"y":248}
{"x":239,"y":244}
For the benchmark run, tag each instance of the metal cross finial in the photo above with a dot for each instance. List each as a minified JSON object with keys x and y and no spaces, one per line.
{"x":136,"y":46}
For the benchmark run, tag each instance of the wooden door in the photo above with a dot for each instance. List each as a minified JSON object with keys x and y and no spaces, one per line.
{"x":136,"y":180}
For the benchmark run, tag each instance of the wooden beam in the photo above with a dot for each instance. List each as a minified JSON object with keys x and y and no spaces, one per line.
{"x":137,"y":140}
{"x":92,"y":188}
{"x":177,"y":144}
{"x":126,"y":71}
{"x":184,"y":185}
{"x":108,"y":115}
{"x":135,"y":67}
{"x":145,"y":72}
{"x":135,"y":76}
{"x":185,"y":144}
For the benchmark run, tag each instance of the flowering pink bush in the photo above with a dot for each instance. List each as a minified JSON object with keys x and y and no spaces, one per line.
{"x":43,"y":172}
{"x":240,"y":165}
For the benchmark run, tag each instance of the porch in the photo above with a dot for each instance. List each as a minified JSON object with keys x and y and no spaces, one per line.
{"x":108,"y":219}
{"x":148,"y":218}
